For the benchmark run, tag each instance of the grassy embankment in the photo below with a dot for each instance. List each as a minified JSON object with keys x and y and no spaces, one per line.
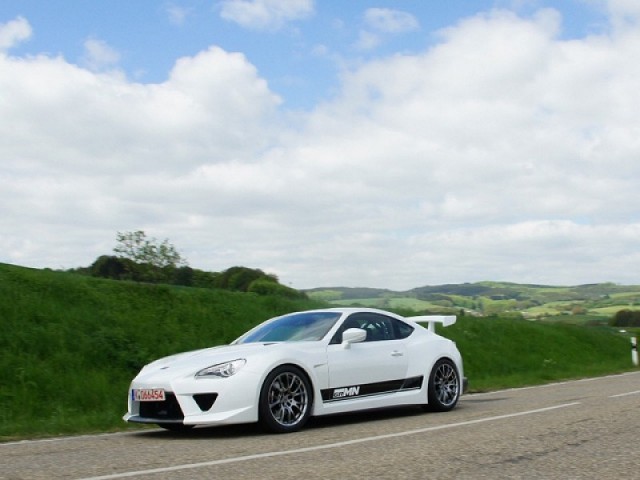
{"x":71,"y":344}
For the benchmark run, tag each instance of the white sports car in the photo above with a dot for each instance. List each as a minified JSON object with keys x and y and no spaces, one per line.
{"x":316,"y":362}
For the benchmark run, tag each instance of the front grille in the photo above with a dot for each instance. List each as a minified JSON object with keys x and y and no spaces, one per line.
{"x":169,"y":409}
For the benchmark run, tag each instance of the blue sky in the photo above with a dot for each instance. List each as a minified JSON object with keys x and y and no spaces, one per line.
{"x":357,"y":143}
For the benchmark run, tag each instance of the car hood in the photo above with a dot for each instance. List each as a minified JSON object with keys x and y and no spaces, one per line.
{"x":188,"y":363}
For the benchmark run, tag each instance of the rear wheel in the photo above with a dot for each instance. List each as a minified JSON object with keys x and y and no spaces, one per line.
{"x":444,"y":386}
{"x":285,"y":400}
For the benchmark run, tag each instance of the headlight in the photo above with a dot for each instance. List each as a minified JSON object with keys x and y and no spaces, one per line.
{"x":222,"y":370}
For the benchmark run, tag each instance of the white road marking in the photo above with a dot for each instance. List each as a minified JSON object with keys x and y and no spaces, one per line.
{"x":245,"y":458}
{"x":624,"y":394}
{"x":467,"y":395}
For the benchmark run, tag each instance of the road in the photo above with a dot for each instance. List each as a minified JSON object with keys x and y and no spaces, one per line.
{"x":573,"y":430}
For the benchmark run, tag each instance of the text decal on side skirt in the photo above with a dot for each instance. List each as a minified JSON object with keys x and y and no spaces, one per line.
{"x":346,"y":392}
{"x":379,"y":388}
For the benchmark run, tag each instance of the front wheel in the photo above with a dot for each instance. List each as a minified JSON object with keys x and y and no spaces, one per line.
{"x":444,"y":386}
{"x":285,"y":400}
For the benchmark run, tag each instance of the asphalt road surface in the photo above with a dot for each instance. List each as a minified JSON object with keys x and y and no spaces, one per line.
{"x":574,"y":430}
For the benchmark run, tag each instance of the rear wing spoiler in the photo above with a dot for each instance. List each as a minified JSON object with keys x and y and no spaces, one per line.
{"x":431,"y":320}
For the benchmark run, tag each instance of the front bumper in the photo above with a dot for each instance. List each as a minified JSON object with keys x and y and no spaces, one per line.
{"x":198,"y":402}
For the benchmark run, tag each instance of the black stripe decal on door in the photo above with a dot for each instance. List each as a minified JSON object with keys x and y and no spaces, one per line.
{"x":370,"y":389}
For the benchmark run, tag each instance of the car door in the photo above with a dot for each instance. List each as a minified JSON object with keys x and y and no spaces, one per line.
{"x":373,"y":367}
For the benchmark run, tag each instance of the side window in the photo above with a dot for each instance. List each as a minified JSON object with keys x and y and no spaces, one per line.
{"x":378,"y":327}
{"x":402,"y":329}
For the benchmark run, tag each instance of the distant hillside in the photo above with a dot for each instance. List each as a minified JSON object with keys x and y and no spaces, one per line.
{"x":490,"y":298}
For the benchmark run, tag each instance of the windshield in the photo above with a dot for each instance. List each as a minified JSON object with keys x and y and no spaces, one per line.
{"x":297,"y":327}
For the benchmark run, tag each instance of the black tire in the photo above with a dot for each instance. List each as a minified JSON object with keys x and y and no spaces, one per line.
{"x":444,"y":386}
{"x":285,"y":400}
{"x":176,"y":427}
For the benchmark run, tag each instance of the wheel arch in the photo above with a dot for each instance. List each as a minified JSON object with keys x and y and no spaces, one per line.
{"x":307,"y":375}
{"x":437,"y":406}
{"x":287,"y":413}
{"x":444,"y":357}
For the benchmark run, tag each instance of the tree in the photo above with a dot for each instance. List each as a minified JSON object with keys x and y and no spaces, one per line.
{"x":239,"y":278}
{"x":111,"y":267}
{"x":137,"y":247}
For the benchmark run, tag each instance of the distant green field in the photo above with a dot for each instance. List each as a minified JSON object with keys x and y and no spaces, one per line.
{"x":360,"y":302}
{"x":388,"y":303}
{"x":71,"y":344}
{"x":541,"y":311}
{"x":610,"y":311}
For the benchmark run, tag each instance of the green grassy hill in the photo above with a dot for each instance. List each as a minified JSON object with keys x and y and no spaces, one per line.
{"x":70,"y":344}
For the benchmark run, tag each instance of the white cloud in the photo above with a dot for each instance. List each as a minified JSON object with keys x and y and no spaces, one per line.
{"x":14,"y":32}
{"x":367,"y":40}
{"x":390,"y":21}
{"x":98,"y":55}
{"x":501,"y":153}
{"x":625,"y":14}
{"x":177,"y":15}
{"x":87,"y":153}
{"x":629,"y":8}
{"x":381,"y":22}
{"x":265,"y":14}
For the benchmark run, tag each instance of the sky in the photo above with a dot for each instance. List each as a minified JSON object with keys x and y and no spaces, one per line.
{"x":389,"y":144}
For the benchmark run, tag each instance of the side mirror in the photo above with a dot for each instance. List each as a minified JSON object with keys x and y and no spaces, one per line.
{"x":353,"y":335}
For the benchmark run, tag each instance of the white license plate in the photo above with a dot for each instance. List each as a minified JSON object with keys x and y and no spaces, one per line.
{"x":147,"y":394}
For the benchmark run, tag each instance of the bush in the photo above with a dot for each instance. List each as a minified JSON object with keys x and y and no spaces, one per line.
{"x":626,"y":318}
{"x":239,"y":279}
